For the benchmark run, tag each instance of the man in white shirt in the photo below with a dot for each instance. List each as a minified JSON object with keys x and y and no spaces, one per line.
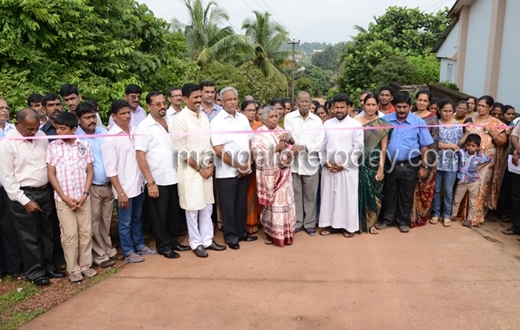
{"x":307,"y":130}
{"x":133,"y":96}
{"x":191,"y":140}
{"x":155,"y":155}
{"x":232,"y":167}
{"x":122,"y":169}
{"x":23,"y":170}
{"x":175,"y":99}
{"x":343,"y":146}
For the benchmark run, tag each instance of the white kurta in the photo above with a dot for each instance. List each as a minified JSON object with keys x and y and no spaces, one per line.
{"x":191,"y":137}
{"x":343,"y":144}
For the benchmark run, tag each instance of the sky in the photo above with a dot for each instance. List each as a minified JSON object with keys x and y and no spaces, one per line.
{"x":329,"y":21}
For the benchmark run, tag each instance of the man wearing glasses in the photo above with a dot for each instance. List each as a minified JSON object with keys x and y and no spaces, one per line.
{"x":133,"y":96}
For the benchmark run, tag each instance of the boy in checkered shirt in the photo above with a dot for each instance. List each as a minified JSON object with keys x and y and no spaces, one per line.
{"x":469,"y":163}
{"x":69,"y":165}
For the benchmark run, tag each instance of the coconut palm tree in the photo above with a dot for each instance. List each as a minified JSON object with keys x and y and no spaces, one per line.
{"x":209,"y":42}
{"x":266,"y":39}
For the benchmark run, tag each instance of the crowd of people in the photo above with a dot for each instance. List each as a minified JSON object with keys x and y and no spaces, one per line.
{"x":238,"y":167}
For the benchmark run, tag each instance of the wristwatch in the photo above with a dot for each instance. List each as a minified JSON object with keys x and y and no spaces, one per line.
{"x":149,"y":184}
{"x":86,"y":193}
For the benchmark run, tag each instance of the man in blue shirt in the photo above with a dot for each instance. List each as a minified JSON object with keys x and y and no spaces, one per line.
{"x":406,"y":162}
{"x":101,"y":195}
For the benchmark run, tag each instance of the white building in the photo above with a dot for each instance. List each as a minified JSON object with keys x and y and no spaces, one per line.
{"x":480,"y":50}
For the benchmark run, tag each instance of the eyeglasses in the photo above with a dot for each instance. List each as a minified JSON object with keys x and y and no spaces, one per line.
{"x":135,"y":97}
{"x":176,"y":96}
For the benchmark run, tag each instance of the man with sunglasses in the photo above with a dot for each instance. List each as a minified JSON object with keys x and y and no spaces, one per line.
{"x":155,"y":156}
{"x":133,"y":96}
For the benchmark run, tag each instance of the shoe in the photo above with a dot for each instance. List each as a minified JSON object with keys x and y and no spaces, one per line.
{"x":54,"y":274}
{"x":447,"y":222}
{"x":434,"y":220}
{"x":216,"y":247}
{"x":382,"y":226}
{"x":248,"y":238}
{"x":180,"y":247}
{"x":106,"y":263}
{"x":404,"y":229}
{"x":467,"y":223}
{"x":310,"y":231}
{"x":170,"y":254}
{"x":200,"y":252}
{"x":234,"y":246}
{"x":42,"y":281}
{"x":89,"y":273}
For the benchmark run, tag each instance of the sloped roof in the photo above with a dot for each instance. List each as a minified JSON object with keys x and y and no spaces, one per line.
{"x":454,"y":15}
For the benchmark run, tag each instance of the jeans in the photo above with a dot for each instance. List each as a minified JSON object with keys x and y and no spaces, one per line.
{"x":445,"y":181}
{"x":130,"y":226}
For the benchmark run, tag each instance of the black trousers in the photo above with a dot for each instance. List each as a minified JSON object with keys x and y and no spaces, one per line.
{"x":515,"y":198}
{"x":165,"y":217}
{"x":35,"y":233}
{"x":233,"y":205}
{"x":399,"y":193}
{"x":10,"y":254}
{"x":504,"y":199}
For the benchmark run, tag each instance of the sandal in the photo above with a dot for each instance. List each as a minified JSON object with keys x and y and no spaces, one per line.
{"x":347,"y":234}
{"x":509,"y":231}
{"x":268,"y":242}
{"x":76,"y":277}
{"x":328,"y":231}
{"x":504,"y":218}
{"x":134,"y":258}
{"x":89,"y":273}
{"x":147,"y":250}
{"x":373,"y":230}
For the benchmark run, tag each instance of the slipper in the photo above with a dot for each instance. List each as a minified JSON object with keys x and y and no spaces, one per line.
{"x":509,"y":231}
{"x":347,"y":234}
{"x":310,"y":231}
{"x":76,"y":277}
{"x":268,"y":242}
{"x":147,"y":250}
{"x":329,"y":231}
{"x":134,"y":258}
{"x":373,"y":230}
{"x":505,"y":218}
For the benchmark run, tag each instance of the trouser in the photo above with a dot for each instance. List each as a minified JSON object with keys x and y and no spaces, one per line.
{"x":444,"y":180}
{"x":305,"y":189}
{"x":165,"y":217}
{"x":399,"y":193}
{"x":129,"y":225}
{"x":76,"y":236}
{"x":515,"y":206}
{"x":34,"y":231}
{"x":200,"y":227}
{"x":233,"y":205}
{"x":504,"y":200}
{"x":102,"y":206}
{"x":10,"y":254}
{"x":57,"y":250}
{"x":460,"y":192}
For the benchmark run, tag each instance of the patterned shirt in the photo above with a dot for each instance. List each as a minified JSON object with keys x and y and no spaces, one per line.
{"x":213,"y":113}
{"x":70,"y":162}
{"x":468,"y":169}
{"x":448,"y":159}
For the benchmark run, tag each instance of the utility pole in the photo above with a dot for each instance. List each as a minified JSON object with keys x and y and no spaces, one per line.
{"x":293,"y":43}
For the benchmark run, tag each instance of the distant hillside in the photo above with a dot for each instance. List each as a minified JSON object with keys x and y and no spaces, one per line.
{"x":308,"y":48}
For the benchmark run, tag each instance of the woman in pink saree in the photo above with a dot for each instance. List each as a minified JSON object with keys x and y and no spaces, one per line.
{"x":274,"y":184}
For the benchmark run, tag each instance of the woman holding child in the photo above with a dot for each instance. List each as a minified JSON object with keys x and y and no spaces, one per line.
{"x":493,"y":142}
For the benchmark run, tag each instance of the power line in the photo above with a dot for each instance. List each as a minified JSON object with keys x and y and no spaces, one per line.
{"x":441,"y":2}
{"x":237,"y":29}
{"x":273,"y":13}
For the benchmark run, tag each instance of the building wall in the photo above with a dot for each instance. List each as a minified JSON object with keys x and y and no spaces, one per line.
{"x":448,"y":70}
{"x":449,"y":46}
{"x":477,"y":45}
{"x":509,"y":76}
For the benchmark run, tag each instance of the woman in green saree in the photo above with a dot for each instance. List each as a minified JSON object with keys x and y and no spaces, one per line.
{"x":371,"y":172}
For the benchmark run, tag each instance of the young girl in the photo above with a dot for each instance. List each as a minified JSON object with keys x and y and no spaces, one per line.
{"x":450,"y":133}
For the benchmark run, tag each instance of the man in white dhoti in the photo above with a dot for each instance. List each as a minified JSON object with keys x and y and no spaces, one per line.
{"x":191,"y":139}
{"x":343,"y":146}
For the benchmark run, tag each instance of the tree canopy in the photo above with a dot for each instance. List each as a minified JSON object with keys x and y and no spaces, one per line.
{"x":99,"y":46}
{"x":400,"y":31}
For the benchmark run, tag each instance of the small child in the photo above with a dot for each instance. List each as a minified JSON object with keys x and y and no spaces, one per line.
{"x":69,"y":165}
{"x":470,"y":161}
